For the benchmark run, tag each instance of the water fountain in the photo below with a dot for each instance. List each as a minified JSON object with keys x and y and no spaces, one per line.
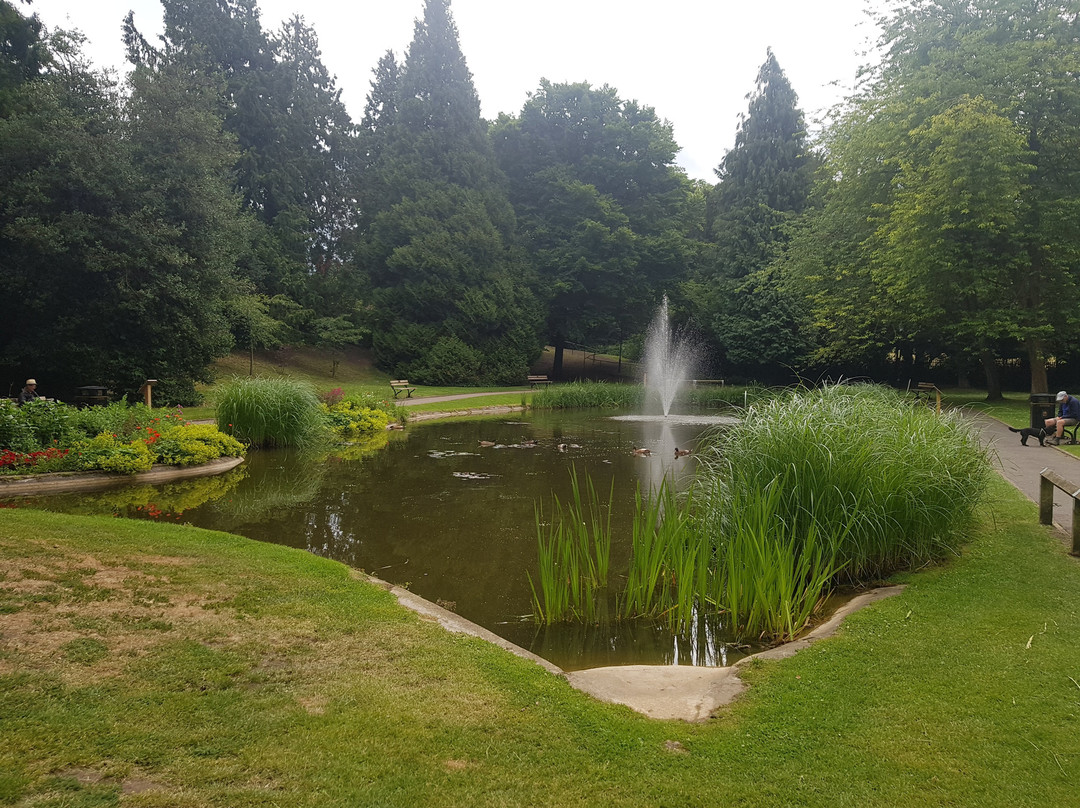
{"x":668,"y":359}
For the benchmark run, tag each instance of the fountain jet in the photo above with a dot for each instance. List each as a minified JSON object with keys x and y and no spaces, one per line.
{"x":668,"y":358}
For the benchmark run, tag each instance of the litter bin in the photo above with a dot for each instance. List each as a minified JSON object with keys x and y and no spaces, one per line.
{"x":1042,"y":407}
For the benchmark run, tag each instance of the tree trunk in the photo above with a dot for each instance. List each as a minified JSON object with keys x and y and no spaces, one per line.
{"x":993,"y":376}
{"x":556,"y":365}
{"x":1037,"y":361}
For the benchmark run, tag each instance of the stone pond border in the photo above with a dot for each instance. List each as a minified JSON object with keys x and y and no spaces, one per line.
{"x":682,"y":692}
{"x":64,"y":482}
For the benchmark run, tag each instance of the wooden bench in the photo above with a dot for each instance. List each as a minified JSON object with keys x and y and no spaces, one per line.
{"x":928,"y":393}
{"x":402,"y":386}
{"x":538,"y":380}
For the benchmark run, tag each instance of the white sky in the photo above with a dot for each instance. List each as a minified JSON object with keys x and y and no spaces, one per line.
{"x":694,"y":61}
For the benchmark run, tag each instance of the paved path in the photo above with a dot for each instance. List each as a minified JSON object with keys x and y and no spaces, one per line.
{"x":1021,"y":465}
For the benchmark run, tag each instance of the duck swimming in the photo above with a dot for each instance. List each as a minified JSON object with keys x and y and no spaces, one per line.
{"x":641,"y":452}
{"x":682,"y":452}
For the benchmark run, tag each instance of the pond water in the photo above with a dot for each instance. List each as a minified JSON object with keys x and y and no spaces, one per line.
{"x":452,"y":518}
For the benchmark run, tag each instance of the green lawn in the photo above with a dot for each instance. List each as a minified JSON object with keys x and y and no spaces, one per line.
{"x":190,"y":668}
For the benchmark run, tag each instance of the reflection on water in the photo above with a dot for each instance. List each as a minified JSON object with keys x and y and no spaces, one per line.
{"x":448,"y":509}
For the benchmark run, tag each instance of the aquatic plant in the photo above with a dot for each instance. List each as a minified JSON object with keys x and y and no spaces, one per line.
{"x":575,"y":553}
{"x":891,"y":486}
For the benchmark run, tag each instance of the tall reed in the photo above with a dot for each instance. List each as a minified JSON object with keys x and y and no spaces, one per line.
{"x":271,"y":412}
{"x":669,"y":563}
{"x":575,"y":554}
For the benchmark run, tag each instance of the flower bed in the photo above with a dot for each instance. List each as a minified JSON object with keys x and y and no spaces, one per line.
{"x":42,"y":437}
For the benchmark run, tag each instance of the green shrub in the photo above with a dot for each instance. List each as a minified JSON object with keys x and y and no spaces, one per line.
{"x":15,"y":432}
{"x":353,"y":418}
{"x":106,"y":453}
{"x":48,"y":423}
{"x":191,"y":444}
{"x":270,"y":412}
{"x":449,"y":362}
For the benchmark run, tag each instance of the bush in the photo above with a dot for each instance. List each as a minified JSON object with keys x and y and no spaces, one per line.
{"x":270,"y":412}
{"x":191,"y":444}
{"x":354,"y":418}
{"x":106,"y":453}
{"x":450,"y":361}
{"x":585,"y":395}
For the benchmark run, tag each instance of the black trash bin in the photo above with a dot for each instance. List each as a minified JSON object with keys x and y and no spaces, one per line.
{"x":1042,"y":407}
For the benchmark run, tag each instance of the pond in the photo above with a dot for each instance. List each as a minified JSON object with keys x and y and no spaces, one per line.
{"x":447,"y":509}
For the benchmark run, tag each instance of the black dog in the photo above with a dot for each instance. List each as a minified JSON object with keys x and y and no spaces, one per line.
{"x":1030,"y":432}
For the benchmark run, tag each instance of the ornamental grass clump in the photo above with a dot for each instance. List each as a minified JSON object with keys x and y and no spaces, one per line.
{"x":885,"y":485}
{"x":271,"y":413}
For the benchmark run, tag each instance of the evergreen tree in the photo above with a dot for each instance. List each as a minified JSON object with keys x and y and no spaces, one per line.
{"x":295,"y":138}
{"x":765,"y":182}
{"x":23,"y":51}
{"x":118,"y":227}
{"x":449,"y":293}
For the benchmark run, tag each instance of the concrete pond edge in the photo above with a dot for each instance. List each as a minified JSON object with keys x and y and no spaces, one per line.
{"x":65,"y":482}
{"x":671,"y":692}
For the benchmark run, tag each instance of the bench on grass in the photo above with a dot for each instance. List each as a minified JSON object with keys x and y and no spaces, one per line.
{"x":402,"y":386}
{"x":535,"y":381}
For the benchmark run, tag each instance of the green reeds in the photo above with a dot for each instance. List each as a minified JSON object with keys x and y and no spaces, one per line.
{"x":770,"y":579}
{"x":270,"y":412}
{"x":588,"y":395}
{"x":669,"y":562}
{"x":575,"y":553}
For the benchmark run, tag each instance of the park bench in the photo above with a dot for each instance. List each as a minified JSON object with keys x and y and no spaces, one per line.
{"x":928,"y":393}
{"x":402,"y":386}
{"x":534,"y":381}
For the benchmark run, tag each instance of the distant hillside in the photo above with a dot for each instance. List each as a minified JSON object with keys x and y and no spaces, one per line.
{"x":312,"y":364}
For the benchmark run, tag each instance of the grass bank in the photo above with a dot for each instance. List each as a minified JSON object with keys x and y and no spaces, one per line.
{"x":160,"y":665}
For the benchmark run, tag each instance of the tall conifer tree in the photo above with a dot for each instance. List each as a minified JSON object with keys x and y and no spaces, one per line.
{"x":449,"y":299}
{"x":765,"y":181}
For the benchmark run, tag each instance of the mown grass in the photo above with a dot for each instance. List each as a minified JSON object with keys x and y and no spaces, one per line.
{"x":244,"y":674}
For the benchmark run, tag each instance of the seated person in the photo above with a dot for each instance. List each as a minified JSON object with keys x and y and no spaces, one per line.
{"x":1069,"y":414}
{"x":29,"y":393}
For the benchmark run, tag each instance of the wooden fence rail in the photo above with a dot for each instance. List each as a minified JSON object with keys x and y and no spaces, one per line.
{"x":1048,"y":481}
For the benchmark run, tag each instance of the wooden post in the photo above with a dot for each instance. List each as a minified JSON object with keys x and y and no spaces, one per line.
{"x":1076,"y":524}
{"x":1046,"y":499}
{"x":146,"y":390}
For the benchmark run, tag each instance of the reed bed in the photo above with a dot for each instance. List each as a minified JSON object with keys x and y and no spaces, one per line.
{"x":669,"y":563}
{"x":843,"y":484}
{"x":588,"y":395}
{"x":271,"y":413}
{"x":575,"y":554}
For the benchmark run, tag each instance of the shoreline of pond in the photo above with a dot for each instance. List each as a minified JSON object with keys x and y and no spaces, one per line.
{"x":68,"y":482}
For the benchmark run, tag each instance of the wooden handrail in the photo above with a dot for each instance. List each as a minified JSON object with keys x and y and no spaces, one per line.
{"x":1048,"y":481}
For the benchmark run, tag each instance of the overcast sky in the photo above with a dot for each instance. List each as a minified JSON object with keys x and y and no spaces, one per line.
{"x":694,"y":61}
